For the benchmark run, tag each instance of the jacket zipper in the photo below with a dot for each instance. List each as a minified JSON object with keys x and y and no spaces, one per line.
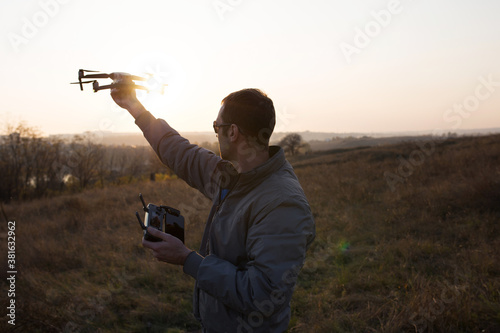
{"x":219,"y":205}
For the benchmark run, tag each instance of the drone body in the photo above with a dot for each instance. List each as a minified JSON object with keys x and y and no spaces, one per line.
{"x":128,"y":78}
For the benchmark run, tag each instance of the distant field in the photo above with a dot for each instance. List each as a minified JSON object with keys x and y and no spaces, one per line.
{"x":317,"y":140}
{"x":363,"y":141}
{"x":407,"y":241}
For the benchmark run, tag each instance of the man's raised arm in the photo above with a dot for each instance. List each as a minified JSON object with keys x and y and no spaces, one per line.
{"x":193,"y":164}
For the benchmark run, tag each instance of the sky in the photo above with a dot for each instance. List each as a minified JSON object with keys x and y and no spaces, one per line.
{"x":330,"y":66}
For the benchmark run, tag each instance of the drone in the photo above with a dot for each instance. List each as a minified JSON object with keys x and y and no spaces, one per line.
{"x":113,"y":76}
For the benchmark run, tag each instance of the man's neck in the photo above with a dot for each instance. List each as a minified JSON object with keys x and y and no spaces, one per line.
{"x":251,"y":160}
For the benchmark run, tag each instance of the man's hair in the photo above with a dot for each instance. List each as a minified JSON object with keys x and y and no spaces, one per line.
{"x":253,"y":112}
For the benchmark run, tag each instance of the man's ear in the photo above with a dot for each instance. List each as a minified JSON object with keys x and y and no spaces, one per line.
{"x":233,"y":132}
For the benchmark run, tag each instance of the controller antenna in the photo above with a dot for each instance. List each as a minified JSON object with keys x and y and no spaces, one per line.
{"x":140,"y":221}
{"x":143,"y":203}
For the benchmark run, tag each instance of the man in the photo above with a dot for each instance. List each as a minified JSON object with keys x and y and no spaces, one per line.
{"x":260,"y":224}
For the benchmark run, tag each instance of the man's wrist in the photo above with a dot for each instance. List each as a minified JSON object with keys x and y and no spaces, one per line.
{"x":192,"y":263}
{"x":186,"y":254}
{"x":136,"y":110}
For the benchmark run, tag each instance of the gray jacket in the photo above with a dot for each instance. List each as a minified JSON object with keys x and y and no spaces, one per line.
{"x":255,"y":238}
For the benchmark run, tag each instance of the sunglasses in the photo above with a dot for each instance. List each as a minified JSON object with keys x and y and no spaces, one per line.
{"x":216,"y":126}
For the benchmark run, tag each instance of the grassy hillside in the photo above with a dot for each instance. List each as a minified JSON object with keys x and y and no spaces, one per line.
{"x":407,"y":241}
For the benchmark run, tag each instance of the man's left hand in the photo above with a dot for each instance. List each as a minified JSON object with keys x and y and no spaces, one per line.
{"x":170,"y":250}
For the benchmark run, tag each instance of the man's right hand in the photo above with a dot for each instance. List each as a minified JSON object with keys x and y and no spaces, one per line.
{"x":125,"y":95}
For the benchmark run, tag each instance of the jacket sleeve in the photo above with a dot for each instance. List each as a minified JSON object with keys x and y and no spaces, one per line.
{"x":195,"y":165}
{"x":276,"y":246}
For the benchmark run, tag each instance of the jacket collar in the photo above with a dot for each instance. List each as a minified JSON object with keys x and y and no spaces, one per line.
{"x":275,"y":161}
{"x":229,"y":175}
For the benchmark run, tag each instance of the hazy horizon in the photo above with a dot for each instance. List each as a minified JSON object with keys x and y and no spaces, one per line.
{"x":208,"y":132}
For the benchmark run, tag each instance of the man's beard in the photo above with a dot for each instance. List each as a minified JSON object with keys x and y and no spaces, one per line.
{"x":222,"y":153}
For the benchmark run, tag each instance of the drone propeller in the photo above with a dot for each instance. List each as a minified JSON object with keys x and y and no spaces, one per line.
{"x":81,"y":72}
{"x":127,"y":76}
{"x":97,"y":87}
{"x":96,"y":76}
{"x":137,"y":78}
{"x":112,"y":76}
{"x":82,"y":82}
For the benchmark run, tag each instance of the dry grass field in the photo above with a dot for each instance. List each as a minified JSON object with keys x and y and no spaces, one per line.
{"x":407,"y":241}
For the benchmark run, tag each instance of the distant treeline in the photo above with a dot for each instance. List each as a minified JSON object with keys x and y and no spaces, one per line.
{"x":32,"y":166}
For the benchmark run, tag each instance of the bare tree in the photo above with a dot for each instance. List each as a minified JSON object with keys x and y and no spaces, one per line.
{"x":291,"y":143}
{"x":16,"y":166}
{"x":33,"y":166}
{"x":42,"y":157}
{"x":84,"y":158}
